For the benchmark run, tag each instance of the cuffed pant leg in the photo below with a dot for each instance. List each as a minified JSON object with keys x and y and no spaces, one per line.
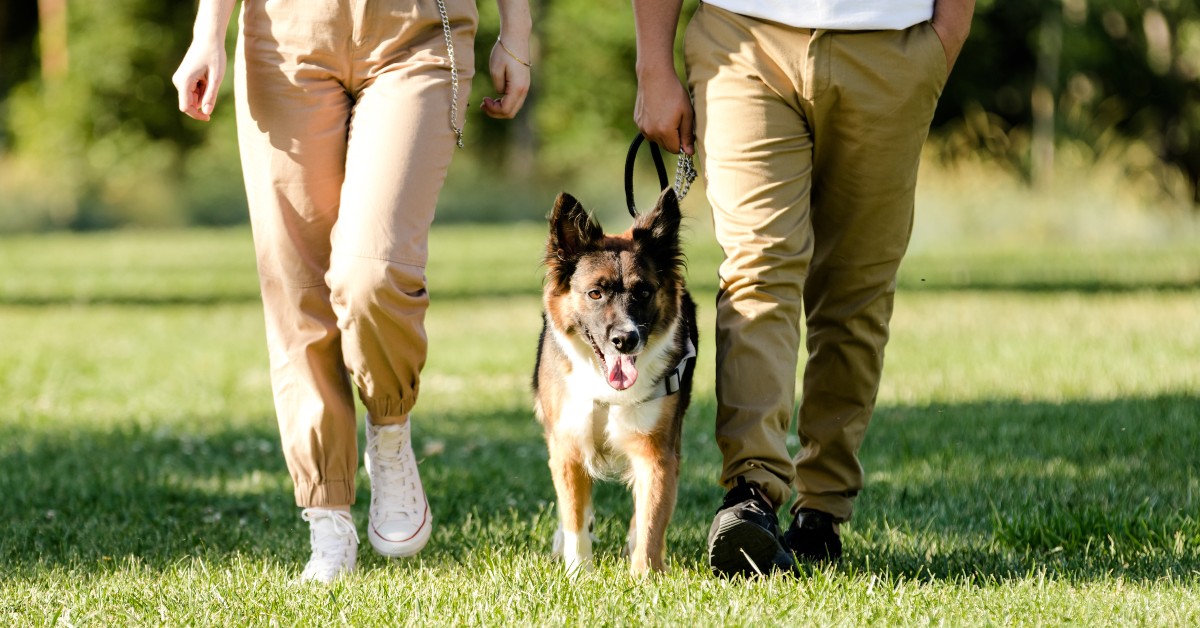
{"x":292,"y":116}
{"x":344,"y":125}
{"x":400,"y":147}
{"x":870,"y":122}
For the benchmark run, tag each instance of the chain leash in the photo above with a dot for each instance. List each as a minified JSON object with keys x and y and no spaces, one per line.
{"x":685,"y":173}
{"x":458,"y":132}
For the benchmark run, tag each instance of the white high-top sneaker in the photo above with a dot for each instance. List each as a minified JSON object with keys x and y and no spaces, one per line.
{"x":400,"y":521}
{"x":334,"y":545}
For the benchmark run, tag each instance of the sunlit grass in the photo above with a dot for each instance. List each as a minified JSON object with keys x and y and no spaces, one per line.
{"x":1032,"y":460}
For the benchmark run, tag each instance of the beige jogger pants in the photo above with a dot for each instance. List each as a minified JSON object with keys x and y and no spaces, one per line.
{"x":343,"y":111}
{"x":810,"y":142}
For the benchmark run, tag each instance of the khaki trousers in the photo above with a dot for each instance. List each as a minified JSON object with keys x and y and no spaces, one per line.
{"x":343,"y":111}
{"x":810,"y":142}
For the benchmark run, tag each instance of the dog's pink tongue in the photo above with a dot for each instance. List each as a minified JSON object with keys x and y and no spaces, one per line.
{"x":622,"y":372}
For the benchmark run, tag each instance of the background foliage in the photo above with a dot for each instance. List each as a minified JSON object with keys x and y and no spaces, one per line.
{"x":1042,"y":87}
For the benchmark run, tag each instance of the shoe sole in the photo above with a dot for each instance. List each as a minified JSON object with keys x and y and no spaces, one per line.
{"x":742,"y":548}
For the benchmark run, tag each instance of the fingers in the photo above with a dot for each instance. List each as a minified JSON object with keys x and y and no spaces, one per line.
{"x":668,"y":140}
{"x":183,"y":89}
{"x":197,"y":82}
{"x":208,"y":99}
{"x":666,"y":119}
{"x":505,"y":107}
{"x":191,"y":96}
{"x":188,"y":85}
{"x":687,"y":133}
{"x":511,"y":80}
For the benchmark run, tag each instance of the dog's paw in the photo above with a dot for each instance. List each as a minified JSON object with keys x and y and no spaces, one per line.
{"x":579,"y":566}
{"x":556,"y":543}
{"x":575,"y":549}
{"x":630,"y":541}
{"x":644,"y":568}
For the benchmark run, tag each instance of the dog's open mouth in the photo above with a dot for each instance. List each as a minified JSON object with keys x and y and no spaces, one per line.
{"x":620,"y":369}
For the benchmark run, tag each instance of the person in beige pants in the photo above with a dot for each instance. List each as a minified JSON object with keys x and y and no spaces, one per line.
{"x":348,"y":113}
{"x":810,"y":118}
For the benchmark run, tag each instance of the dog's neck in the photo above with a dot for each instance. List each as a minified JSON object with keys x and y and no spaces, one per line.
{"x":674,"y":379}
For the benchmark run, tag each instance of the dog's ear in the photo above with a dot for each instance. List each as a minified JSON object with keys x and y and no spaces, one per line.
{"x":572,"y":230}
{"x":663,"y":222}
{"x":658,"y":233}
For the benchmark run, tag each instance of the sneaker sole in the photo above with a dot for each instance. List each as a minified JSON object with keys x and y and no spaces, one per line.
{"x":741,"y":548}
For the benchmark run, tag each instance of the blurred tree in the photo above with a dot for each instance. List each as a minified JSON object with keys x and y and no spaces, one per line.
{"x":18,"y":31}
{"x":1038,"y":81}
{"x":52,"y":39}
{"x":103,"y":130}
{"x":1107,"y":77}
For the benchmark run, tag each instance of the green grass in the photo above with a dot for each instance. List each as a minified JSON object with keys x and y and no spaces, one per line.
{"x":1033,"y":459}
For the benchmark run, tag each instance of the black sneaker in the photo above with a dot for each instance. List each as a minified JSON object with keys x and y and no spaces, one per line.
{"x":744,"y":538}
{"x":812,"y":537}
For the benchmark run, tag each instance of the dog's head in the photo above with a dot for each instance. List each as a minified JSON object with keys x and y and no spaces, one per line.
{"x":614,"y":293}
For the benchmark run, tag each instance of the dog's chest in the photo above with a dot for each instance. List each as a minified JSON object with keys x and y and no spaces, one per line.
{"x":603,"y":431}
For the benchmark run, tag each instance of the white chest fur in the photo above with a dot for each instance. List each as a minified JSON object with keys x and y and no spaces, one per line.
{"x":601,"y":419}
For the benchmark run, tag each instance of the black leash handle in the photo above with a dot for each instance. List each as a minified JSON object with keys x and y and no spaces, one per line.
{"x":631,"y":157}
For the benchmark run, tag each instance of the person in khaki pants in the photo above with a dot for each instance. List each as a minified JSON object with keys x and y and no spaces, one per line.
{"x":348,"y":112}
{"x":810,"y":117}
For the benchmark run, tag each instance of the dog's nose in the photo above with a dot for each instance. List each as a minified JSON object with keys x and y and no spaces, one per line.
{"x":624,"y":340}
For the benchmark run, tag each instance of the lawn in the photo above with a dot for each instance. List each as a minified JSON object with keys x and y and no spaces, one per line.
{"x":1033,"y":459}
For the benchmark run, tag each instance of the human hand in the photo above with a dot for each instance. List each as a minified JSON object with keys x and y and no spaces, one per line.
{"x":510,"y":69}
{"x":663,"y":112}
{"x":199,"y":77}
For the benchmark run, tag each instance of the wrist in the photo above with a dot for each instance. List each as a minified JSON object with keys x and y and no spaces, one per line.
{"x":654,"y":69}
{"x":513,"y":41}
{"x":208,"y":35}
{"x":515,"y":30}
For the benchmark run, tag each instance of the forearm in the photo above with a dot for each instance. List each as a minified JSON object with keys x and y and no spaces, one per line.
{"x":515,"y":20}
{"x":212,"y":20}
{"x":654,"y":24}
{"x":955,"y":16}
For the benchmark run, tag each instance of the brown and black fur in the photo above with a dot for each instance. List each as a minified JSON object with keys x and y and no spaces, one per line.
{"x":616,"y":308}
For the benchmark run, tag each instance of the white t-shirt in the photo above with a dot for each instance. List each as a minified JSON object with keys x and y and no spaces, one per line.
{"x":834,"y":14}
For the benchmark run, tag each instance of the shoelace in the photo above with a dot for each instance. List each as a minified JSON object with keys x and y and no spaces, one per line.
{"x":400,"y":489}
{"x":330,"y":546}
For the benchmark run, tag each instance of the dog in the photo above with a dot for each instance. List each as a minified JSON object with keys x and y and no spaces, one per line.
{"x":614,"y":372}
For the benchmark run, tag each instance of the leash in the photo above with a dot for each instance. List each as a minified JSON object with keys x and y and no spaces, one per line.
{"x":685,"y":172}
{"x":458,"y":132}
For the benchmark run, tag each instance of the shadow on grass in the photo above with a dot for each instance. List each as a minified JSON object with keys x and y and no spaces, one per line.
{"x":981,"y":492}
{"x":1081,"y":286}
{"x":129,"y":300}
{"x":505,"y":286}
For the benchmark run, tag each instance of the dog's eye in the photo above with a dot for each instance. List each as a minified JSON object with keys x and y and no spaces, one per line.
{"x":595,"y":294}
{"x":644,"y":293}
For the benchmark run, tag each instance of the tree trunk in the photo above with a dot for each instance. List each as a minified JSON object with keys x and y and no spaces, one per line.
{"x":1042,"y":100}
{"x":52,"y":39}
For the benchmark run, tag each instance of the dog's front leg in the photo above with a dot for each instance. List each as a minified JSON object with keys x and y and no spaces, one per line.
{"x":655,"y":470}
{"x":573,"y":485}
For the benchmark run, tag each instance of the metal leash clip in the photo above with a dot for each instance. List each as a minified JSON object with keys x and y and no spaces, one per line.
{"x":685,"y":174}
